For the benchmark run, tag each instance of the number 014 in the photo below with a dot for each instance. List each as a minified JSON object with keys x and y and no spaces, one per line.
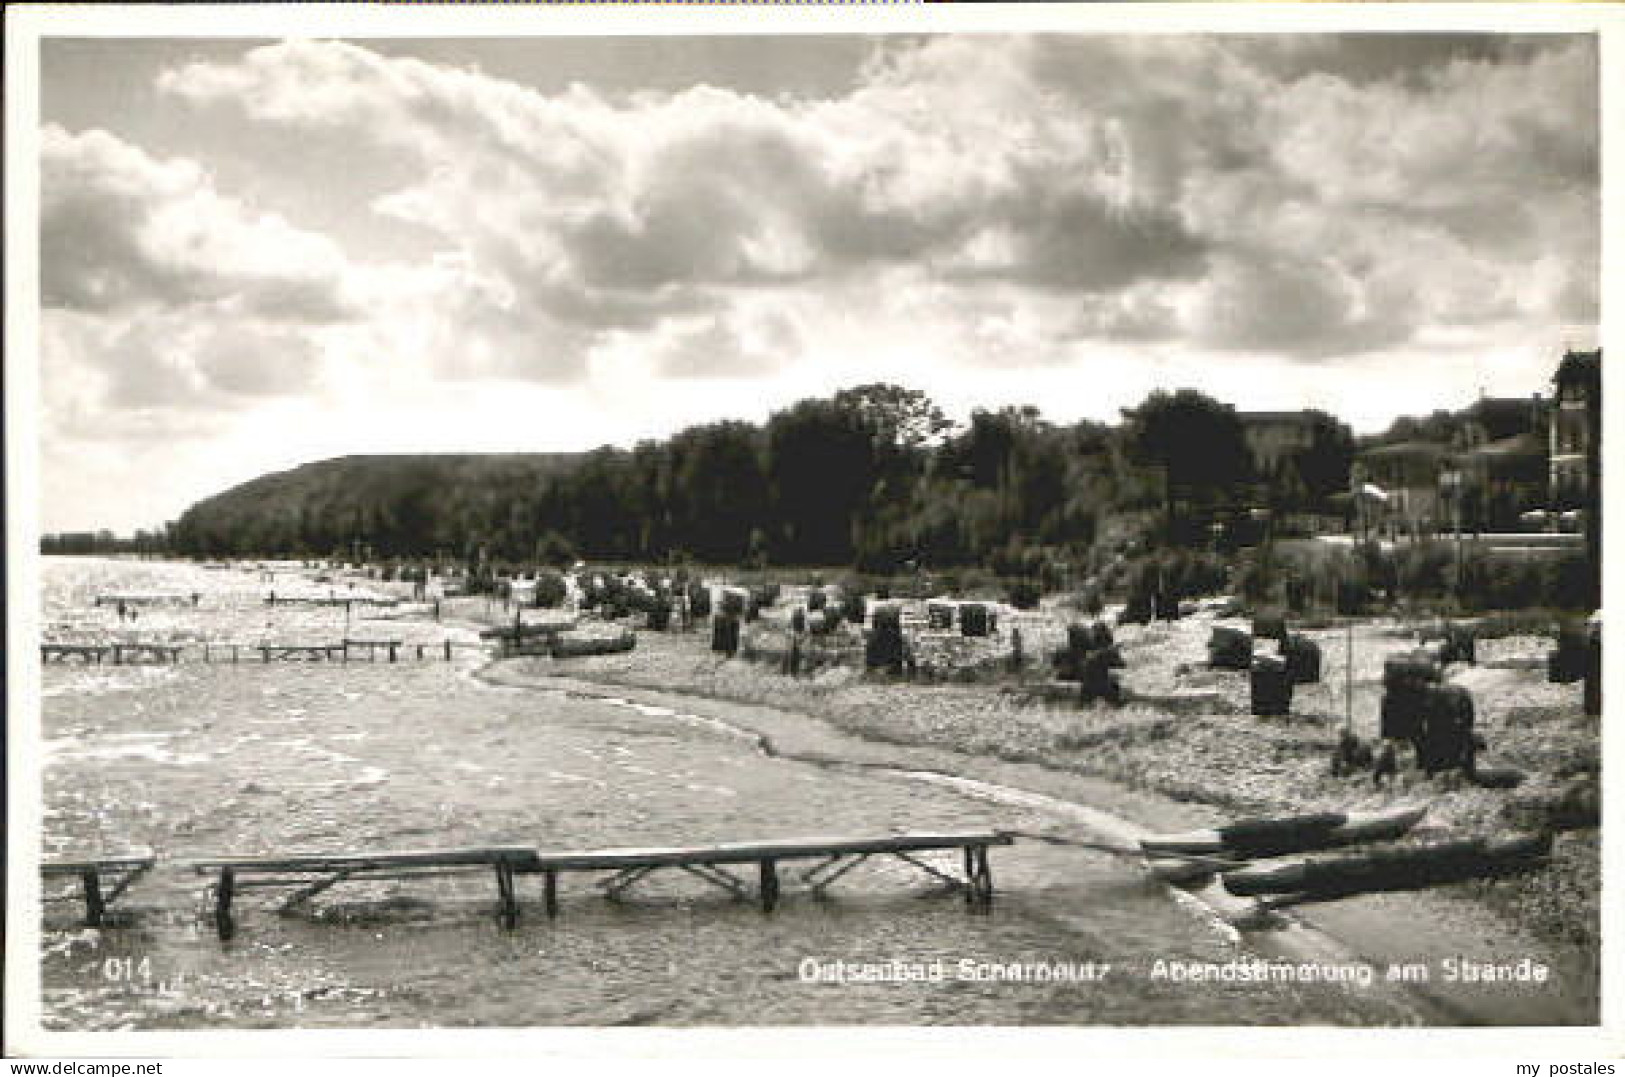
{"x":126,"y":969}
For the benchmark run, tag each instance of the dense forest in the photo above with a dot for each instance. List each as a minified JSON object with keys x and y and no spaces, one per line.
{"x":874,"y":477}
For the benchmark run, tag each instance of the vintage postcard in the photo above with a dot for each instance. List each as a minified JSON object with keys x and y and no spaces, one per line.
{"x":1064,"y":518}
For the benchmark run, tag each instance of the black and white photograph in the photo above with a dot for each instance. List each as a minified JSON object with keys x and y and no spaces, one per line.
{"x":965,"y":520}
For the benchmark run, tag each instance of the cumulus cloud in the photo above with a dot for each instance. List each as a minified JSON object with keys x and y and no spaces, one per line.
{"x":1135,"y":208}
{"x":710,"y":188}
{"x":101,"y":370}
{"x":1276,"y":190}
{"x":120,"y":229}
{"x":748,"y":344}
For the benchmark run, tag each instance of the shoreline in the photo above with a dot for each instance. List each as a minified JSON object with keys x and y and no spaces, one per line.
{"x":830,"y":720}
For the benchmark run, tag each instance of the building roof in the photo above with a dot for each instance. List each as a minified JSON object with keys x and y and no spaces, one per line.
{"x":1582,"y":368}
{"x":1521,"y":445}
{"x":1500,"y":417}
{"x":1398,"y":449}
{"x":1261,"y":418}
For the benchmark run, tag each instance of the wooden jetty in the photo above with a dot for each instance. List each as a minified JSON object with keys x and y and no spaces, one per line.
{"x":120,"y":654}
{"x":293,"y":652}
{"x":85,"y":652}
{"x":147,"y":598}
{"x":386,"y":601}
{"x":118,"y":871}
{"x":312,"y":873}
{"x":341,"y":651}
{"x":831,"y":858}
{"x":834,"y":858}
{"x":372,"y":648}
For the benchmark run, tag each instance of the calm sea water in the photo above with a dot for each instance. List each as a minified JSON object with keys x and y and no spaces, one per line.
{"x":196,"y":759}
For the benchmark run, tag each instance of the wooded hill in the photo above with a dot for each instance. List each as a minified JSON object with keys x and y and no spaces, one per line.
{"x":399,"y":505}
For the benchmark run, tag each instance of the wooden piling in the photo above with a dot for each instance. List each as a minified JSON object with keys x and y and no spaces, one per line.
{"x":505,"y":895}
{"x":95,"y":908}
{"x":222,"y":903}
{"x":769,"y":875}
{"x":984,"y":875}
{"x":550,"y":892}
{"x":119,"y":872}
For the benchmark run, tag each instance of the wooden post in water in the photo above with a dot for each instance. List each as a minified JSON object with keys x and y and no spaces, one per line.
{"x":95,"y":908}
{"x":222,"y":903}
{"x":505,"y":894}
{"x":550,"y":892}
{"x":769,"y":876}
{"x":448,"y":650}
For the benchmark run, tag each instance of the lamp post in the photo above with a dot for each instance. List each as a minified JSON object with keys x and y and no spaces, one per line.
{"x":1267,"y":561}
{"x":1450,"y":487}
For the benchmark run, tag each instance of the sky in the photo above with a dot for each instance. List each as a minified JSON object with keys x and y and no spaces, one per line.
{"x":258,"y":253}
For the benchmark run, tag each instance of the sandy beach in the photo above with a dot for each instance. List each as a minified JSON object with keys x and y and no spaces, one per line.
{"x":1184,"y":751}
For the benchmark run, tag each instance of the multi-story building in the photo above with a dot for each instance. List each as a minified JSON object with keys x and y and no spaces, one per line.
{"x":1274,"y":436}
{"x":1506,"y":457}
{"x":1405,"y":476}
{"x":1575,"y":441}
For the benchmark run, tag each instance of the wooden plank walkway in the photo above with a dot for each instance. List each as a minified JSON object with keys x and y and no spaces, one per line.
{"x":313,"y":873}
{"x":119,"y":871}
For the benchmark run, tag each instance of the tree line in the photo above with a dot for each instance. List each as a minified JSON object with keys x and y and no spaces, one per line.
{"x":105,"y":542}
{"x":874,"y":477}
